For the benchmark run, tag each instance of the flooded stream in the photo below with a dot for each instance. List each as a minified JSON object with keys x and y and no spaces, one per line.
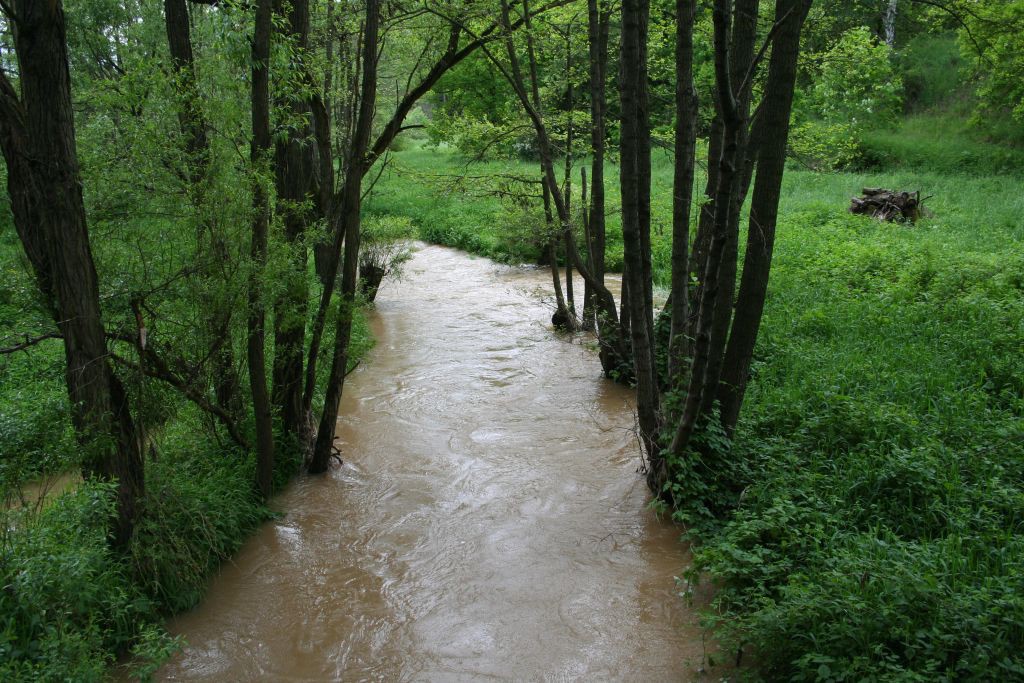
{"x":488,"y":522}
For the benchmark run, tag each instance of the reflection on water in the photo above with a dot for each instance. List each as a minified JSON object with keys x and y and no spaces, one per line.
{"x":488,"y":523}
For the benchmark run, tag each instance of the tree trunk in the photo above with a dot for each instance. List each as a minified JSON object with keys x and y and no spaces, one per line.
{"x":703,"y":373}
{"x":771,"y":161}
{"x":259,"y":152}
{"x":635,"y":188}
{"x":223,"y":374}
{"x":294,"y":175}
{"x":597,"y":40}
{"x":740,"y":59}
{"x":37,"y":135}
{"x":351,"y":205}
{"x":605,"y":299}
{"x":682,"y":197}
{"x":563,"y":317}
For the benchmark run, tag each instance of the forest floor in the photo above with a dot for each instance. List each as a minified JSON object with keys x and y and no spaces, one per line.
{"x":880,"y":528}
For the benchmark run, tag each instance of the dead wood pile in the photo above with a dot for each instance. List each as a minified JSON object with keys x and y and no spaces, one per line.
{"x":887,"y":205}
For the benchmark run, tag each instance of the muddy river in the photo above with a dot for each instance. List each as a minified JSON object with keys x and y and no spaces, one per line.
{"x":488,"y":522}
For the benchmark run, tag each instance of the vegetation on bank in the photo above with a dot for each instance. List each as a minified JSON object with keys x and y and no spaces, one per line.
{"x":867,"y":522}
{"x":71,"y":605}
{"x":185,"y":194}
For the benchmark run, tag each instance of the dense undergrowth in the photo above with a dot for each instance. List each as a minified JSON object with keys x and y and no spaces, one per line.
{"x":69,"y":605}
{"x":877,"y":531}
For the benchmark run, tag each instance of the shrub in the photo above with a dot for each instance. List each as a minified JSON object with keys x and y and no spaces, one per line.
{"x":855,"y":87}
{"x":67,"y":604}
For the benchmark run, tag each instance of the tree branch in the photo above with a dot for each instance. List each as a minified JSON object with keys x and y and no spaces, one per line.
{"x":29,"y":342}
{"x":156,"y":366}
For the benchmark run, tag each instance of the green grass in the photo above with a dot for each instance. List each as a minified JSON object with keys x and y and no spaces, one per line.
{"x":940,"y":143}
{"x":878,"y":531}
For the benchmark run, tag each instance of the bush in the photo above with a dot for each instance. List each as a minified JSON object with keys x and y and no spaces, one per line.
{"x":200,"y":506}
{"x":855,"y":82}
{"x":881,"y":455}
{"x":67,"y":604}
{"x":385,"y":248}
{"x":823,"y":146}
{"x":855,"y":87}
{"x":70,"y":605}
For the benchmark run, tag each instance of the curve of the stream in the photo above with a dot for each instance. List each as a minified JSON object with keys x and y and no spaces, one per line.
{"x":488,"y":522}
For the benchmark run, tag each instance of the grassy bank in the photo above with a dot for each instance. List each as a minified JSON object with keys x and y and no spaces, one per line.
{"x":878,"y":529}
{"x":70,"y":606}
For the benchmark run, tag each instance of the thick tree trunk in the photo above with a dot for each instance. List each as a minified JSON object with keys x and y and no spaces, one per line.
{"x":259,"y":152}
{"x":771,"y":161}
{"x":37,"y":135}
{"x":351,"y":204}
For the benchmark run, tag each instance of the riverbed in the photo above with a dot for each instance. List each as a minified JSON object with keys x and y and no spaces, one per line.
{"x":488,"y":522}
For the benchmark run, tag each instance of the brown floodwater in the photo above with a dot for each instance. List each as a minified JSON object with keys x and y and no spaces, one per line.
{"x":488,"y":522}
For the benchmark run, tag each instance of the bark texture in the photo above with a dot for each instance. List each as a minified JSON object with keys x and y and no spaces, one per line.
{"x":37,"y":134}
{"x":635,"y":190}
{"x":259,"y":152}
{"x":776,"y":108}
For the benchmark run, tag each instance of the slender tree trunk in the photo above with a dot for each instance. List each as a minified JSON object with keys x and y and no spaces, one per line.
{"x":707,"y":377}
{"x":740,"y":59}
{"x":635,"y":188}
{"x":563,"y":317}
{"x":351,"y":205}
{"x":771,"y":159}
{"x":295,"y":157}
{"x":259,"y":152}
{"x":567,"y":181}
{"x":212,"y":249}
{"x":597,"y":40}
{"x":702,"y":379}
{"x":37,"y":134}
{"x":604,"y":298}
{"x":560,"y":319}
{"x":890,"y":23}
{"x":682,"y":198}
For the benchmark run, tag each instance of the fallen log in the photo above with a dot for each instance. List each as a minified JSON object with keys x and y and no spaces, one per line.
{"x":888,"y":205}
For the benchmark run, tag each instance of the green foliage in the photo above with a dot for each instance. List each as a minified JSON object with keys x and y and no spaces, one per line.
{"x":938,"y":142}
{"x":878,"y":534}
{"x":71,"y":604}
{"x":853,"y":87}
{"x":67,"y":605}
{"x":855,"y":82}
{"x":200,"y":505}
{"x":386,"y":245}
{"x":824,"y":146}
{"x":993,"y":41}
{"x":931,"y":66}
